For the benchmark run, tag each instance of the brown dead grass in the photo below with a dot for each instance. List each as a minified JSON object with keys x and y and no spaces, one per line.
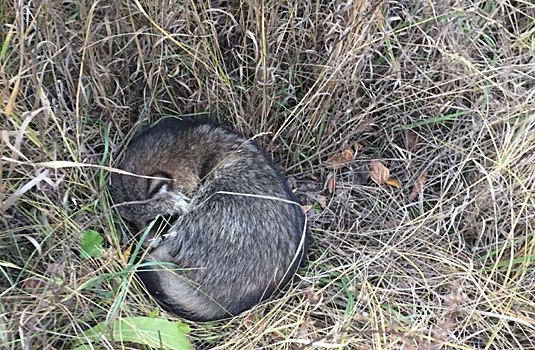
{"x":442,"y":87}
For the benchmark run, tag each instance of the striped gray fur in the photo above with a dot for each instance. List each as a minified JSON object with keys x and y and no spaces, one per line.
{"x":237,"y":232}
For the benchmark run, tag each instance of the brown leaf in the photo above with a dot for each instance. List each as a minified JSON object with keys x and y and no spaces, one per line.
{"x":248,"y":321}
{"x":379,"y":172}
{"x":347,"y":154}
{"x":32,"y":284}
{"x":307,"y":208}
{"x":331,"y":183}
{"x":313,"y":296}
{"x":340,"y":159}
{"x":322,"y":200}
{"x":392,"y":181}
{"x":127,"y":252}
{"x":418,"y":185}
{"x":412,"y":140}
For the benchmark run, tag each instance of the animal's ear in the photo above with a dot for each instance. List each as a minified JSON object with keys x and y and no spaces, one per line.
{"x":161,"y":184}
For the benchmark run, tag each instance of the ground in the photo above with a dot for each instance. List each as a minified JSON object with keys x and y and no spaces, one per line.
{"x":406,"y":127}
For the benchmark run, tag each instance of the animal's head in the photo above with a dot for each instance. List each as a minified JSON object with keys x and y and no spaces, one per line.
{"x":140,"y":198}
{"x":160,"y":180}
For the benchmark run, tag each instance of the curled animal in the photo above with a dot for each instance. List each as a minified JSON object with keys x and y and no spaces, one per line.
{"x":236,"y":232}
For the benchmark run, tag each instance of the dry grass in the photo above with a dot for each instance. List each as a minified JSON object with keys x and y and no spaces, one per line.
{"x":452,"y":268}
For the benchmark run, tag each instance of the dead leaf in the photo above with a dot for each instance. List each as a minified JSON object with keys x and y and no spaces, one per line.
{"x":392,"y":181}
{"x":412,"y":140}
{"x":307,"y":208}
{"x":313,"y":297}
{"x":347,"y":154}
{"x":32,"y":284}
{"x":340,"y":159}
{"x":331,"y":183}
{"x":248,"y":321}
{"x":322,"y":200}
{"x":127,"y":252}
{"x":418,"y":186}
{"x":379,"y":172}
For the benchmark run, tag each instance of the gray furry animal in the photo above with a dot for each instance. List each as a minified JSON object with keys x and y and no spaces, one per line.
{"x":237,"y":233}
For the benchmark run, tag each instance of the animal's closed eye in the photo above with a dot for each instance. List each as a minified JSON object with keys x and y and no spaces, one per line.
{"x":159,"y":186}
